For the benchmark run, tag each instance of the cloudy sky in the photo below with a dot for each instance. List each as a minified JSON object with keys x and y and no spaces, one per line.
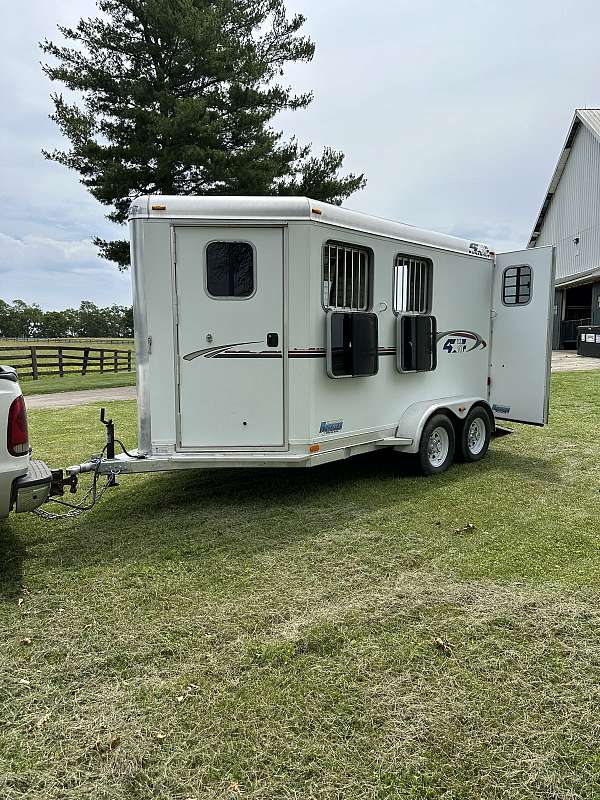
{"x":455,"y":111}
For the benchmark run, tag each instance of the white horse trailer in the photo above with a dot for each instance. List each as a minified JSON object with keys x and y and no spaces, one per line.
{"x":282,"y":331}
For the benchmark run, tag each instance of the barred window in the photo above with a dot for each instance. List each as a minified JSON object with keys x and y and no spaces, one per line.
{"x":413,"y":285}
{"x":347,"y":277}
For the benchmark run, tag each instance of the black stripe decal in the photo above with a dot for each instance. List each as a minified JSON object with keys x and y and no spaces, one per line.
{"x":225,"y":352}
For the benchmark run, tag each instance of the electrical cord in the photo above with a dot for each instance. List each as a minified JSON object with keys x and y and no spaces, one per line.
{"x":127,"y":453}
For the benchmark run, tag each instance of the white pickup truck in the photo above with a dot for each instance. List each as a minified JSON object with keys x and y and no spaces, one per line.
{"x":24,"y":483}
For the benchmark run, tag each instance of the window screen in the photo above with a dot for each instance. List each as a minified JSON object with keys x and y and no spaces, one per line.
{"x":412,"y":285}
{"x":516,"y":286}
{"x":346,"y":277}
{"x":352,"y":343}
{"x":230,"y":269}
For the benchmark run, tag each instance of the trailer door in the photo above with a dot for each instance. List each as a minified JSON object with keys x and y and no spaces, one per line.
{"x":230,"y":337}
{"x":521,"y":348}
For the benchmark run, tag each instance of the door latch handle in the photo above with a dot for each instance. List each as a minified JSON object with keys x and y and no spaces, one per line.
{"x":209,"y":337}
{"x":272,"y":339}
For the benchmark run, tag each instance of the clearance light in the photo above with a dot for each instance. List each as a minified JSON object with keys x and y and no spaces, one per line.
{"x":314,"y":448}
{"x":159,"y":208}
{"x":316,"y":211}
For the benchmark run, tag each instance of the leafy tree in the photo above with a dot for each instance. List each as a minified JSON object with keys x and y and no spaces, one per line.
{"x":178,"y":97}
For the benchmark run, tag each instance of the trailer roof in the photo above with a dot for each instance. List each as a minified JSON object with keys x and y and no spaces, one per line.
{"x":283,"y":209}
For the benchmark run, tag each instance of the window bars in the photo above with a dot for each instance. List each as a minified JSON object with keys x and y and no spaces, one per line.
{"x":412,"y":285}
{"x":346,"y":277}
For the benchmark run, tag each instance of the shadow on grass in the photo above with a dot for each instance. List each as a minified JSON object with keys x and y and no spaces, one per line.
{"x":237,"y":513}
{"x":12,"y":556}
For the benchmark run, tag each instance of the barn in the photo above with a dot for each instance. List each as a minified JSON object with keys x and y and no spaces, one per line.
{"x":570,"y":220}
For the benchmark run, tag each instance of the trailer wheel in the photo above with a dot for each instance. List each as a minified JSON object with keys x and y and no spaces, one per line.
{"x":475,"y":435}
{"x":437,"y":445}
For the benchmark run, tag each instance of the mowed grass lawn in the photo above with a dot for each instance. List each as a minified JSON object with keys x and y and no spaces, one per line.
{"x":93,"y":379}
{"x":273,"y":634}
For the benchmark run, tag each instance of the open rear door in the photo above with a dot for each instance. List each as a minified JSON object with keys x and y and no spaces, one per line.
{"x":521,"y":350}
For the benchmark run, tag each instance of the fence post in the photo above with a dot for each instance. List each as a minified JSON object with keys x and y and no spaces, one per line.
{"x":86,"y":355}
{"x":129,"y":361}
{"x":34,"y":363}
{"x":115,"y":362}
{"x":61,"y":369}
{"x":101,"y":360}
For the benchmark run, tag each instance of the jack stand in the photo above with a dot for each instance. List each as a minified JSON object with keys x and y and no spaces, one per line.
{"x":110,"y":435}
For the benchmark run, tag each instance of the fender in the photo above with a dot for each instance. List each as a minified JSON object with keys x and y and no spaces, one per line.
{"x":415,"y":417}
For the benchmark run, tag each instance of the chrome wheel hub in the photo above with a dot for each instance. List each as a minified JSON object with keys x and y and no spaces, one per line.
{"x":476,"y":436}
{"x":438,"y":447}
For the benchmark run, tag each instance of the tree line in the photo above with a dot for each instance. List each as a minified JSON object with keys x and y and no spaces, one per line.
{"x":20,"y":320}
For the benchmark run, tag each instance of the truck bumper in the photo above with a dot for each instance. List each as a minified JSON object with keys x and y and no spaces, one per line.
{"x":32,"y":489}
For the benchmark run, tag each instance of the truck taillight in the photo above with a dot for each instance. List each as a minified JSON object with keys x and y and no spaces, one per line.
{"x":17,"y":436}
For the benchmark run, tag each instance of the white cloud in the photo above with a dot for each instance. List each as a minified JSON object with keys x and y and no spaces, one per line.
{"x":455,"y":111}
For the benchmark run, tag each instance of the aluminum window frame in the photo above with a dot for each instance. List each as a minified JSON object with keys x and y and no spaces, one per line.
{"x":517,"y":285}
{"x":424,"y":309}
{"x":229,"y":297}
{"x":368,"y":285}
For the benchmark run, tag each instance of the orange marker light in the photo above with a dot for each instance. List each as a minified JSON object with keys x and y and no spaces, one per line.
{"x":314,"y":448}
{"x":159,"y":208}
{"x":316,"y":211}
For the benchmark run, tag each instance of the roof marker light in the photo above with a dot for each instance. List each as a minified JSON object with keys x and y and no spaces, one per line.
{"x":159,"y":208}
{"x":316,"y":211}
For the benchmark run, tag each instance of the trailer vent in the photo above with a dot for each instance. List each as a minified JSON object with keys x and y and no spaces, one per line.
{"x":412,"y":285}
{"x":347,"y":277}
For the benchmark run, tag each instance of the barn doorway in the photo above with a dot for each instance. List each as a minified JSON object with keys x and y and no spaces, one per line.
{"x":577,"y":310}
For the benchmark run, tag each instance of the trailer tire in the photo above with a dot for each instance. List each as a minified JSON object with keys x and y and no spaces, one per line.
{"x":437,"y":445}
{"x":474,"y":435}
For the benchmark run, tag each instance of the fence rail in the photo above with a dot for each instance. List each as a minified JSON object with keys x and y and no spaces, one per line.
{"x":36,"y":361}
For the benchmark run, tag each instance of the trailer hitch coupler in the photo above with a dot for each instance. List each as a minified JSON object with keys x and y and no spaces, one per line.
{"x":78,"y":469}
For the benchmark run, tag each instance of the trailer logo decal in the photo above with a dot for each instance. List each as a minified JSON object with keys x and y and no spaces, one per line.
{"x":332,"y":427}
{"x":461,"y":341}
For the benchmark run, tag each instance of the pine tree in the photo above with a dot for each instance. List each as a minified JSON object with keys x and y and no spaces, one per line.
{"x":177,"y":97}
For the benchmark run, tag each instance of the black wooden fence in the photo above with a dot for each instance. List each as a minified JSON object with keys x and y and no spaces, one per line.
{"x":36,"y":361}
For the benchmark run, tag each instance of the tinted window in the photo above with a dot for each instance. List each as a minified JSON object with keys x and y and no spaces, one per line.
{"x":417,"y":343}
{"x":353,"y":342}
{"x":230,"y":269}
{"x":516,"y":286}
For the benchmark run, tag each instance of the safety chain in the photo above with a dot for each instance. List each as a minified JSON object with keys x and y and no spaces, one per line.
{"x":75,"y":511}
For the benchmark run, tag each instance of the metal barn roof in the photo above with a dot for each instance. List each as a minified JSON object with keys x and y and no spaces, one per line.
{"x":283,"y":209}
{"x":590,"y":117}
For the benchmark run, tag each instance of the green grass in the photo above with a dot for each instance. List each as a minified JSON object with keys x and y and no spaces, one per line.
{"x":120,"y":344}
{"x":70,"y":383}
{"x":273,"y":634}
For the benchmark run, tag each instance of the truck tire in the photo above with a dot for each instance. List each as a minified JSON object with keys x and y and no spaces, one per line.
{"x":437,"y":445}
{"x":474,"y":435}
